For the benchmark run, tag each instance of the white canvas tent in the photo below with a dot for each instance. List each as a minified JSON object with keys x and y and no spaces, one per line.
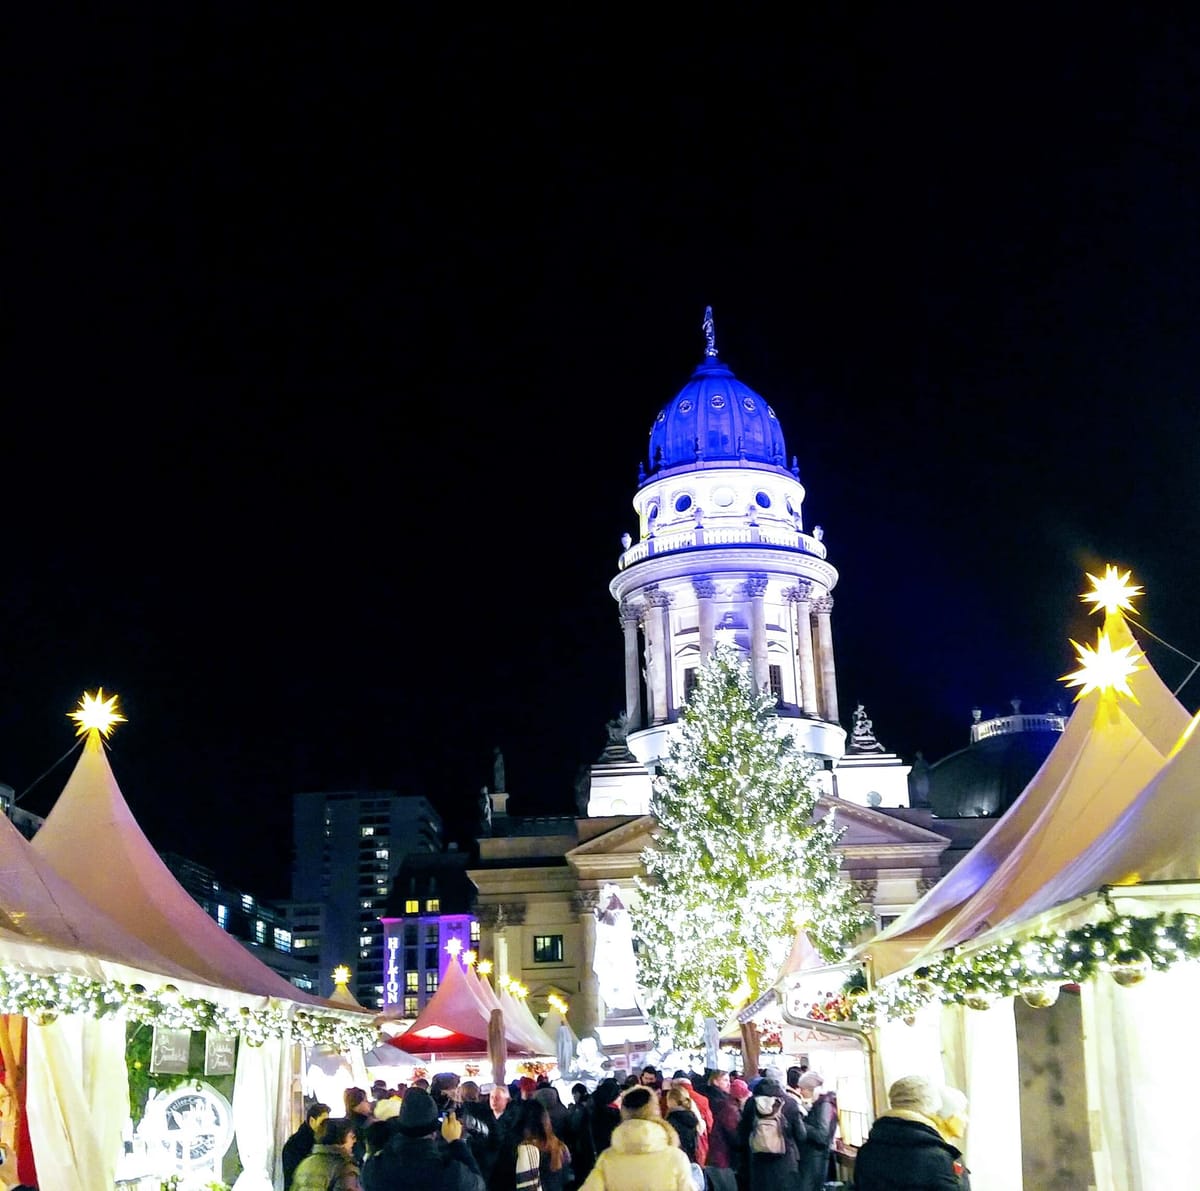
{"x":1108,"y":752}
{"x":112,"y":915}
{"x":1108,"y":828}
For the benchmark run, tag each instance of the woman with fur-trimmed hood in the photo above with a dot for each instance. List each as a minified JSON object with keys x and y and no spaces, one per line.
{"x":644,"y":1154}
{"x":906,"y":1149}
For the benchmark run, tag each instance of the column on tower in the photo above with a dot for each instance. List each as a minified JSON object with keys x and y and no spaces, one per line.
{"x":756,"y":590}
{"x":631,"y":616}
{"x":806,"y":685}
{"x":822,"y":608}
{"x":585,"y":1010}
{"x":706,"y":591}
{"x":658,"y":654}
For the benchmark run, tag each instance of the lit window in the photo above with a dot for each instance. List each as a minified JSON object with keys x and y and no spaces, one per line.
{"x":299,"y":943}
{"x":410,"y":982}
{"x":223,"y":917}
{"x":431,"y":983}
{"x":364,"y":953}
{"x":368,"y":831}
{"x":412,"y":907}
{"x":433,"y":905}
{"x":367,"y":903}
{"x":260,"y":930}
{"x":247,"y":902}
{"x":475,"y":934}
{"x":547,"y":949}
{"x":410,"y":1006}
{"x":364,"y":940}
{"x":381,"y":853}
{"x":283,"y":939}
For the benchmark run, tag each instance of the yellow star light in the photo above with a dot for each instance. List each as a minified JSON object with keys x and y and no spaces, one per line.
{"x":95,"y":711}
{"x":1104,"y":668}
{"x":484,"y":967}
{"x":469,"y":958}
{"x":1113,"y":592}
{"x":341,"y":975}
{"x":454,"y":947}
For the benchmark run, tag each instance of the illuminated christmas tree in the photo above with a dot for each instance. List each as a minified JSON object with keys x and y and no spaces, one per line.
{"x":738,"y":864}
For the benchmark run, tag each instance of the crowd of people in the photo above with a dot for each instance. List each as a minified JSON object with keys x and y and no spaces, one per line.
{"x":714,"y":1131}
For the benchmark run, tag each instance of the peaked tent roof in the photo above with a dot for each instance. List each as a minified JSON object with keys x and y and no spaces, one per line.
{"x":1111,"y":748}
{"x":40,"y":906}
{"x":518,"y":1013}
{"x":91,"y":820}
{"x":455,"y":1022}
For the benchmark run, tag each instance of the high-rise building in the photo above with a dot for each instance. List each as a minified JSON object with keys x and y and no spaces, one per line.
{"x":348,"y":847}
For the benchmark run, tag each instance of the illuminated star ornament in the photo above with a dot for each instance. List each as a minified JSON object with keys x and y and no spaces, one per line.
{"x":341,"y":975}
{"x":1113,"y":592}
{"x":1104,"y":668}
{"x":96,"y":712}
{"x":454,"y":947}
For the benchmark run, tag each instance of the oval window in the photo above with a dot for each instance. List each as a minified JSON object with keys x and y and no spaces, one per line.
{"x":683,"y":503}
{"x":763,"y":500}
{"x":723,"y":497}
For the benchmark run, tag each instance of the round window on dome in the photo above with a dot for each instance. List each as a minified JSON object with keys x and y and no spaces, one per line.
{"x":748,"y":404}
{"x":683,"y":502}
{"x":762,"y":499}
{"x":723,"y":498}
{"x":718,"y":401}
{"x":685,"y":407}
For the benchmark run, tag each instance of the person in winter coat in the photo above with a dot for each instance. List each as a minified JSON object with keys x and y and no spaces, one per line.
{"x":543,"y":1162}
{"x":300,"y":1144}
{"x":767,"y":1171}
{"x":644,"y":1154}
{"x":577,"y":1132}
{"x":330,"y":1166}
{"x":820,"y":1125}
{"x":905,"y":1151}
{"x":605,"y":1114}
{"x":416,"y":1158}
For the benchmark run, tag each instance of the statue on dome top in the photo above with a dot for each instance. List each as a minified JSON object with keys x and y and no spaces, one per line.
{"x":710,"y":334}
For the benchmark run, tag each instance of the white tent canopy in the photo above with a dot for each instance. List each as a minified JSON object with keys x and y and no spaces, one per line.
{"x":1110,"y":750}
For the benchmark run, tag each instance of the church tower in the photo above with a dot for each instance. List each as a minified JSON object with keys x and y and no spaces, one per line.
{"x":722,"y":555}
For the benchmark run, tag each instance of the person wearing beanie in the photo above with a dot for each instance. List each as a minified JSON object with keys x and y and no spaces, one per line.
{"x":417,"y":1157}
{"x":905,"y":1150}
{"x":644,"y":1152}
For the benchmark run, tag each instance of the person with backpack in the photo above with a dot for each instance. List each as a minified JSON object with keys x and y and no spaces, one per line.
{"x":771,"y":1134}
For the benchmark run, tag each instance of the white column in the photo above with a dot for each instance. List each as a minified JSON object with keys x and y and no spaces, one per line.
{"x":658,"y":660}
{"x":806,"y":672}
{"x":585,"y":1010}
{"x":706,"y":591}
{"x":630,"y":619}
{"x":756,"y":590}
{"x":822,"y":608}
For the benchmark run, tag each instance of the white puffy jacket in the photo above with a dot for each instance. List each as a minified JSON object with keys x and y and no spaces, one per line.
{"x":643,"y":1156}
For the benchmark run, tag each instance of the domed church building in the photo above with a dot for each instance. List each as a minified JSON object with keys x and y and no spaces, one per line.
{"x":723,"y":553}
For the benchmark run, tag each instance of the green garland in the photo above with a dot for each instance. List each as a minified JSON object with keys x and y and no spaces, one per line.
{"x":43,"y":996}
{"x":1033,"y":967}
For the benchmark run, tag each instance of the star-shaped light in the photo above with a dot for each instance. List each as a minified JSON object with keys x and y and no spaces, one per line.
{"x":484,"y":967}
{"x":95,"y":711}
{"x":454,"y":947}
{"x":556,"y":1002}
{"x":469,"y":958}
{"x":341,"y":975}
{"x":1113,"y":592}
{"x":1104,"y":668}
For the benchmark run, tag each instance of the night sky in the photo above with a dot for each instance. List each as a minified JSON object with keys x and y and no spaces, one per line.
{"x":334,"y":347}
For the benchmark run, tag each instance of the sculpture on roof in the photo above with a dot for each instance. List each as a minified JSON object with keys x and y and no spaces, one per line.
{"x":862,"y":734}
{"x":710,"y":333}
{"x":498,"y":771}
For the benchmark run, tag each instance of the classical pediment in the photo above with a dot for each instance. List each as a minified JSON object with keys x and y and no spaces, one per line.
{"x":614,"y":852}
{"x":865,"y":829}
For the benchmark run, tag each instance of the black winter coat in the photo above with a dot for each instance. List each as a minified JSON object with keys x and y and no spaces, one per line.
{"x":422,"y":1162}
{"x":902,"y":1154}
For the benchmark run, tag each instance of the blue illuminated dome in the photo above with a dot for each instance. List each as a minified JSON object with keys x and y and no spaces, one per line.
{"x":715,"y":419}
